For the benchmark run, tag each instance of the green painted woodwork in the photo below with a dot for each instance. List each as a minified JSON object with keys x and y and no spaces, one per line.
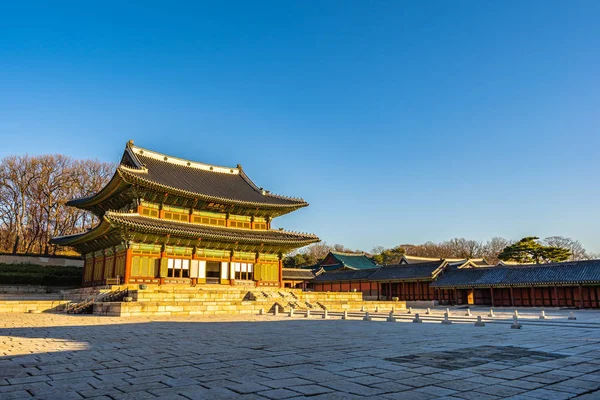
{"x":179,"y":250}
{"x":210,"y":214}
{"x":209,"y":253}
{"x":144,"y":266}
{"x":148,"y":204}
{"x":244,"y":256}
{"x":268,"y":257}
{"x":164,"y":268}
{"x":176,"y":209}
{"x":243,"y":218}
{"x":145,"y":247}
{"x":266,"y":272}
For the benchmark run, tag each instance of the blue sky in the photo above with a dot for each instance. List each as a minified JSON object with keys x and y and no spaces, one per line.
{"x":399,"y":122}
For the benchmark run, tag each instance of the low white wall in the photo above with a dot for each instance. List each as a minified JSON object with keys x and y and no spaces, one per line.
{"x":38,"y":260}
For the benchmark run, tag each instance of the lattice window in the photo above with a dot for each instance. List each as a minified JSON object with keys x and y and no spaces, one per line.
{"x":178,"y":268}
{"x":150,"y":212}
{"x":176,"y":216}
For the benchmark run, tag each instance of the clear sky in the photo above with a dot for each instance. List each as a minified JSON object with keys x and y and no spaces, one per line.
{"x":399,"y":122}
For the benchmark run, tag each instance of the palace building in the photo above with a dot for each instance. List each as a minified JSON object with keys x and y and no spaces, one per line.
{"x":473,"y":282}
{"x":165,"y":220}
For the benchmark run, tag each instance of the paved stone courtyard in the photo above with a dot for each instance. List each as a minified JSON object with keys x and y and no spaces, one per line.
{"x":53,"y":356}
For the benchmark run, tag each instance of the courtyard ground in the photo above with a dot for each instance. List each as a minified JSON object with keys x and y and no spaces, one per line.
{"x":56,"y":356}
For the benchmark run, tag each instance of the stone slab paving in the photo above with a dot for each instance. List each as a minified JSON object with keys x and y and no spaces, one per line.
{"x":54,"y":356}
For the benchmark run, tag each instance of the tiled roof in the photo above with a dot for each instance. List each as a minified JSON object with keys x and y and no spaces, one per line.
{"x":399,"y":272}
{"x":349,"y":261}
{"x":297,"y":274}
{"x":137,"y":222}
{"x":346,"y":275}
{"x":189,"y":179}
{"x":452,"y":261}
{"x":567,"y":273}
{"x":420,"y":271}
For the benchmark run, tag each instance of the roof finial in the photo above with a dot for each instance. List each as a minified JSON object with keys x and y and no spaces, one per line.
{"x":239,"y":166}
{"x":130,"y":143}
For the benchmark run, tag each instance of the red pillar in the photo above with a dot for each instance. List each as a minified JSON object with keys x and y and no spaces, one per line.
{"x":532,"y":301}
{"x":492,"y":294}
{"x":280,"y":272}
{"x":555,"y":296}
{"x":581,"y":305}
{"x":512,"y":298}
{"x":128,"y":258}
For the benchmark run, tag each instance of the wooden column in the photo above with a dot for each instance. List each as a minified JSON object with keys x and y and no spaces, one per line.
{"x":390,"y":296}
{"x":163,"y":255}
{"x":492,"y":294}
{"x":581,"y":305}
{"x":280,"y":272}
{"x":232,"y":278}
{"x":512,"y":298}
{"x":103,"y":265}
{"x":402,"y":291}
{"x":128,"y":259}
{"x":456,"y":295}
{"x":378,"y":291}
{"x":114,"y":269}
{"x":360,"y":286}
{"x":555,"y":296}
{"x":86,"y":266}
{"x":532,"y":301}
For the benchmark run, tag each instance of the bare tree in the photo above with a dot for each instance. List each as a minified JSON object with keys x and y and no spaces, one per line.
{"x":493,"y":247}
{"x":578,"y":252}
{"x":33,"y":193}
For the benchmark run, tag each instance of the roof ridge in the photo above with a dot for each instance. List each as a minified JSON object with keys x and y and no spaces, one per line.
{"x":341,"y":253}
{"x":178,"y":160}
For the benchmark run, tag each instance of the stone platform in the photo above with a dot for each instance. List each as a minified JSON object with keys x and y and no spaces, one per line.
{"x":199,"y":300}
{"x":218,"y":300}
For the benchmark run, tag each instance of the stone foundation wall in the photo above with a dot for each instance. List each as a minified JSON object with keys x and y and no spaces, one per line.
{"x":36,"y":260}
{"x":23,"y":306}
{"x":20,"y":289}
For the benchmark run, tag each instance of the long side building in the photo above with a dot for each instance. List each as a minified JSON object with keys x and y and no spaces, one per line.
{"x":168,"y":220}
{"x":567,"y":284}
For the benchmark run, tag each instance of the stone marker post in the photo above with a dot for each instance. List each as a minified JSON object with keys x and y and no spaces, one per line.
{"x":391,"y":317}
{"x":479,"y":322}
{"x":446,"y":321}
{"x":417,"y":319}
{"x":515,"y":324}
